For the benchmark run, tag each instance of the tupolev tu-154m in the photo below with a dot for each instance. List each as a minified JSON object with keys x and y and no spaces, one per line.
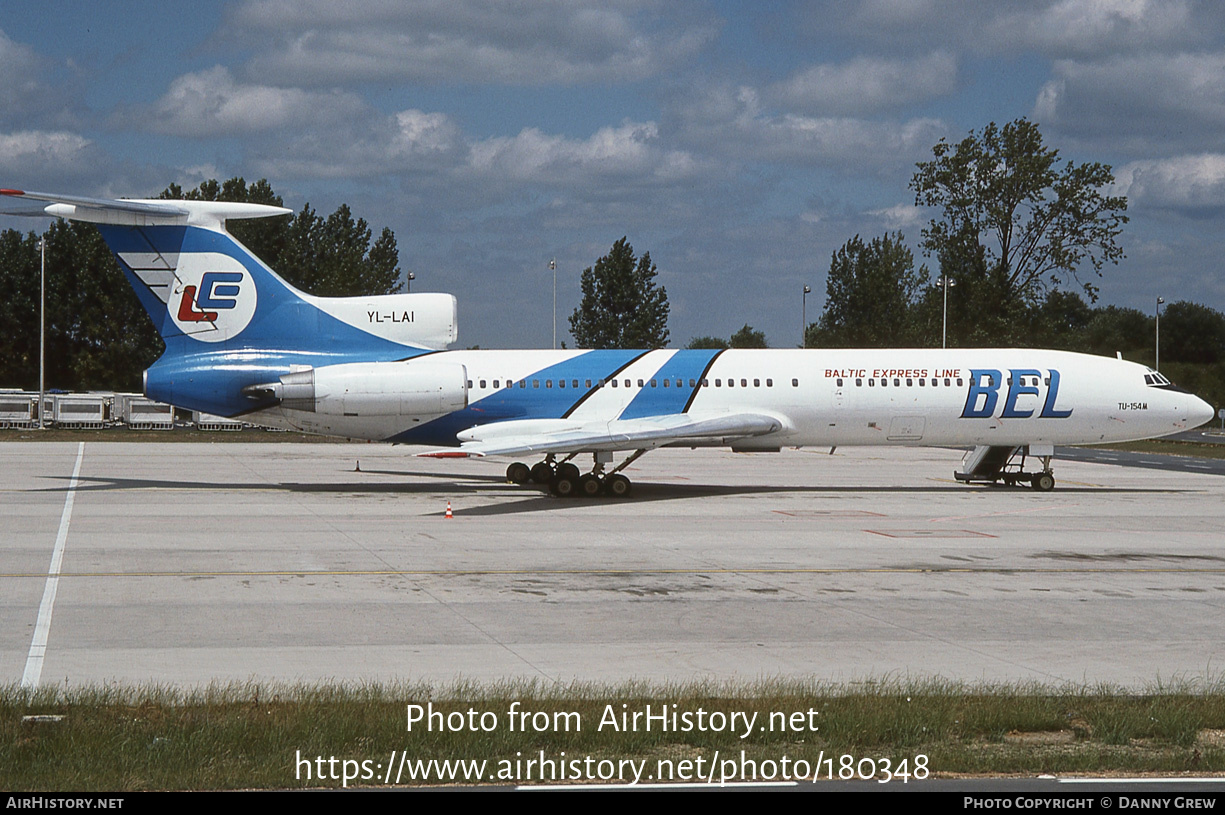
{"x":240,"y":341}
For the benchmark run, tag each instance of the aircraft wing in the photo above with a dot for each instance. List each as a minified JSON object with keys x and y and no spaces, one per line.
{"x":564,"y":436}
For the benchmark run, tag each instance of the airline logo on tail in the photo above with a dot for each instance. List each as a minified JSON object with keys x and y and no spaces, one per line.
{"x":213,"y":297}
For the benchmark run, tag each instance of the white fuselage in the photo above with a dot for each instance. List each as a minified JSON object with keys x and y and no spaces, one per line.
{"x":991,"y":397}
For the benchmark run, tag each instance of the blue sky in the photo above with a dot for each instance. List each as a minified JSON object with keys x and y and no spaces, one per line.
{"x":739,"y":143}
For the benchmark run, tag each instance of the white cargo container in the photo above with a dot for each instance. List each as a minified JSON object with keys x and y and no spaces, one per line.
{"x":18,"y":409}
{"x":207,"y":421}
{"x":145,"y":414}
{"x":80,"y":411}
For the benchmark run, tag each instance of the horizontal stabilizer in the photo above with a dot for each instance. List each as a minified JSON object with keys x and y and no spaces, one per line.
{"x":140,"y":212}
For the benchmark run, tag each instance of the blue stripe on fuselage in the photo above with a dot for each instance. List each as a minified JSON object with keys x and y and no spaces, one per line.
{"x":528,"y":401}
{"x":675,"y":382}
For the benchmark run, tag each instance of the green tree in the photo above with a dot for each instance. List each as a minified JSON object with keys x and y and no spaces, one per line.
{"x":870,"y":295}
{"x":1036,"y":219}
{"x":707,"y":344}
{"x":621,"y":307}
{"x":748,"y":338}
{"x":1191,"y":332}
{"x":98,"y":337}
{"x":1113,"y":329}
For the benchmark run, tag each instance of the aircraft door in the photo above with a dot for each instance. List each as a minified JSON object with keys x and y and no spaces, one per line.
{"x":907,"y":428}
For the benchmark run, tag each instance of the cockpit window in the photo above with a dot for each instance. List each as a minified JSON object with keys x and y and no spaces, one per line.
{"x":1156,"y":380}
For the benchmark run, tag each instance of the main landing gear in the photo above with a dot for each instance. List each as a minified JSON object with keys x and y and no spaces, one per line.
{"x":565,"y":480}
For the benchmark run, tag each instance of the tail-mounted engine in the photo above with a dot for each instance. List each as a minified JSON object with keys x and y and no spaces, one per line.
{"x":371,"y":389}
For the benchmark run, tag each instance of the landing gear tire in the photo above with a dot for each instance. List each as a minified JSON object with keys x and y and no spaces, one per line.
{"x":1043,"y":482}
{"x":542,"y":473}
{"x":568,"y":470}
{"x":589,"y":486}
{"x":617,"y":486}
{"x":518,"y":473}
{"x":563,"y":486}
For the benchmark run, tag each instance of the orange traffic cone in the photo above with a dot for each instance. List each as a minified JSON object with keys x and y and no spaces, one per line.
{"x":449,"y":515}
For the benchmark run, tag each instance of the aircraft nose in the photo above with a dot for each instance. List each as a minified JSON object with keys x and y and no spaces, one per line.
{"x":1199,"y":413}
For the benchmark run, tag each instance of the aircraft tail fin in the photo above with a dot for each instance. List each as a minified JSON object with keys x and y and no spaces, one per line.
{"x":201,"y":286}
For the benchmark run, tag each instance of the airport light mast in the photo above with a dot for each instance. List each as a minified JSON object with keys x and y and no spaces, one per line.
{"x":945,"y":282}
{"x":804,"y":318}
{"x":1157,"y":338}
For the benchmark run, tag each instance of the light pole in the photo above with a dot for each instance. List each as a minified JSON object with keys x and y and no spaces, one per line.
{"x":42,"y":330}
{"x":553,"y":266}
{"x":804,"y":318}
{"x":945,"y":282}
{"x":408,"y":282}
{"x":1157,"y":349}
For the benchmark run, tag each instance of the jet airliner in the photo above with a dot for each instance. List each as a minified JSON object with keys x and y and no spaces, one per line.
{"x":241,"y":342}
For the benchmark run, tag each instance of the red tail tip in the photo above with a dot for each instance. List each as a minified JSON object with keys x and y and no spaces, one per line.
{"x":11,"y":192}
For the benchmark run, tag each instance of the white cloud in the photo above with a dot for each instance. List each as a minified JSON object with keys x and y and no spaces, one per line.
{"x":486,"y":41}
{"x":409,"y":141}
{"x":210,"y":103}
{"x":867,"y":83}
{"x":1144,"y":103}
{"x":734,"y":123}
{"x":992,"y":28}
{"x":630,"y":150}
{"x":26,"y":153}
{"x":1191,"y":182}
{"x":899,"y":216}
{"x":1093,"y":26}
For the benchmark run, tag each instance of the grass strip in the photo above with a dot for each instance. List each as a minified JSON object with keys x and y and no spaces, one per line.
{"x":254,"y":736}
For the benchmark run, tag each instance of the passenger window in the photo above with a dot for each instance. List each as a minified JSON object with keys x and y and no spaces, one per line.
{"x":535,"y":383}
{"x":897,"y":383}
{"x":871,"y":383}
{"x":744,"y":383}
{"x":731,"y":383}
{"x":756,"y":383}
{"x":884,"y":383}
{"x":769,"y":383}
{"x":921,"y":383}
{"x":859,"y":383}
{"x":909,"y":383}
{"x":482,"y":383}
{"x":640,"y":384}
{"x":497,"y":383}
{"x":692,"y":383}
{"x":681,"y":384}
{"x":523,"y":383}
{"x":548,"y":383}
{"x":561,"y":383}
{"x":839,"y":383}
{"x":718,"y":383}
{"x":652,"y":383}
{"x":795,"y":383}
{"x":589,"y":382}
{"x":469,"y":384}
{"x":959,"y":382}
{"x":628,"y":384}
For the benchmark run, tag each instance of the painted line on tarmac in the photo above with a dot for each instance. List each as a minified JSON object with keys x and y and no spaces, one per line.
{"x":38,"y":647}
{"x":620,"y":572}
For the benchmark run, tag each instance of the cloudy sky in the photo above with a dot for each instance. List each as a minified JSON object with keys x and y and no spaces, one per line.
{"x":740,"y":143}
